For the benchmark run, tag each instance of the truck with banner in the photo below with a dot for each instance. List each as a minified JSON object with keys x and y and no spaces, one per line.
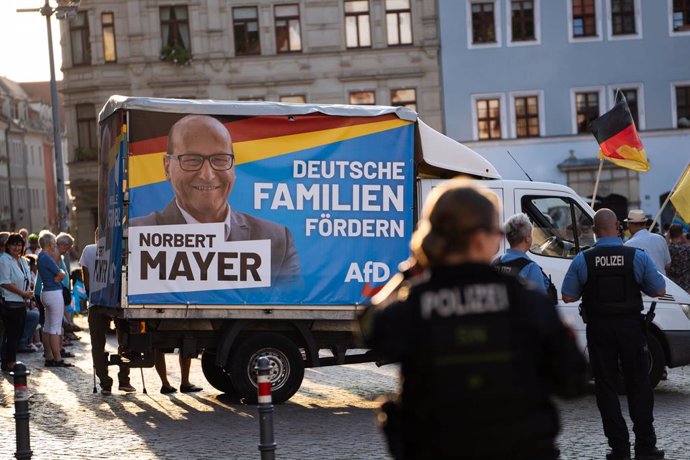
{"x":237,"y":230}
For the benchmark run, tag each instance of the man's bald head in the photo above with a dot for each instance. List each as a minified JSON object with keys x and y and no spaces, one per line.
{"x":605,"y":223}
{"x":187,"y":127}
{"x":201,"y":184}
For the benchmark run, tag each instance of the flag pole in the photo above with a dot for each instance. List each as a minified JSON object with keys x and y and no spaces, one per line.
{"x":596,"y":183}
{"x":668,"y":198}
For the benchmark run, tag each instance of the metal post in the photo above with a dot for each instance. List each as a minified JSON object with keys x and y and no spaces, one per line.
{"x":47,"y":11}
{"x":267,"y":445}
{"x":21,"y":411}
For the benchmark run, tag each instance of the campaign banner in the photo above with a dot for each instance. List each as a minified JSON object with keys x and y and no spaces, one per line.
{"x":309,"y":209}
{"x":106,"y":287}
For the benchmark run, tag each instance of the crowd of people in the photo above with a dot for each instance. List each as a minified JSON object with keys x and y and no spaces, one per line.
{"x":44,"y":284}
{"x":39,"y":296}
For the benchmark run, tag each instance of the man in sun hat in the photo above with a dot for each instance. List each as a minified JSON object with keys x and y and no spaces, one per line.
{"x":653,"y":244}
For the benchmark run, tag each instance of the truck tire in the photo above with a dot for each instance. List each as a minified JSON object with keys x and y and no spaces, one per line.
{"x":286,"y":362}
{"x":657,"y":364}
{"x":216,"y":375}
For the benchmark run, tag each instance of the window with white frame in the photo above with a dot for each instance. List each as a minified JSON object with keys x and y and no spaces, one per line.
{"x":583,"y":18}
{"x":109,"y":45}
{"x":287,"y":26}
{"x":586,"y":109}
{"x":245,"y":24}
{"x":680,"y":16}
{"x":174,"y":22}
{"x":483,"y":23}
{"x":79,"y":39}
{"x":357,"y":24}
{"x":622,"y":17}
{"x":522,"y":20}
{"x":398,"y":22}
{"x":488,"y":117}
{"x":483,"y":19}
{"x":527,"y":116}
{"x":682,"y":106}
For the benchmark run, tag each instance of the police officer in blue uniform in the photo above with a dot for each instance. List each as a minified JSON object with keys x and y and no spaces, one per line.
{"x":609,"y":278}
{"x":481,"y":354}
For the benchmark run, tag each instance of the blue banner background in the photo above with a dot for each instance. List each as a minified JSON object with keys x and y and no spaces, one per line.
{"x":324,"y":260}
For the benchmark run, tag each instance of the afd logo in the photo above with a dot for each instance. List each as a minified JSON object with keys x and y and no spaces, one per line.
{"x":371,"y":272}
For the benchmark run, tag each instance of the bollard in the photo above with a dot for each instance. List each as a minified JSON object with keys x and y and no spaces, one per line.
{"x":267,"y":444}
{"x":21,"y":411}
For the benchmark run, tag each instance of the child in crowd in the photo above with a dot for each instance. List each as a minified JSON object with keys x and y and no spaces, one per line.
{"x":79,"y":296}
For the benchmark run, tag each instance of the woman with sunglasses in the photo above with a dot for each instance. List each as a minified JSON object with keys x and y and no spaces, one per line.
{"x":15,"y":278}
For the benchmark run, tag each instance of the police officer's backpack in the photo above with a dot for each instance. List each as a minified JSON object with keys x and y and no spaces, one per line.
{"x":513,"y":267}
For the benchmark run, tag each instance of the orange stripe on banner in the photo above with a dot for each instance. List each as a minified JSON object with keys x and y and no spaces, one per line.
{"x":148,"y":169}
{"x":262,"y":127}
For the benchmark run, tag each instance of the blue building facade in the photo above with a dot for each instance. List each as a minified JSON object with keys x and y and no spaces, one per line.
{"x":527,"y":76}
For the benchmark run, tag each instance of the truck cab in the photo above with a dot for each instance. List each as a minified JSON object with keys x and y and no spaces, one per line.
{"x":562,"y":223}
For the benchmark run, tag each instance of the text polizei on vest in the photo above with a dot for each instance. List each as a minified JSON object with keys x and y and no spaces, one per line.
{"x":468,"y":300}
{"x":609,"y":261}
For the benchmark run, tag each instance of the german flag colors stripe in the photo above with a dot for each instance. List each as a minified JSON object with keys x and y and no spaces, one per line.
{"x":618,"y":139}
{"x":146,"y":157}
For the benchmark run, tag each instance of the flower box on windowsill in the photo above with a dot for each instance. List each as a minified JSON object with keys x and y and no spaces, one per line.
{"x":178,"y":55}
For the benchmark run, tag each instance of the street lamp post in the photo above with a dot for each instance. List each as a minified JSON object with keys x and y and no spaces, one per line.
{"x":65,"y":9}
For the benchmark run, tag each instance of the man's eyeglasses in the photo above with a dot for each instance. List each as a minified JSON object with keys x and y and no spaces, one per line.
{"x":194,"y":162}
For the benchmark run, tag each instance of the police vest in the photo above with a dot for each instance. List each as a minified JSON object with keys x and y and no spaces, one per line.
{"x":465,"y":338}
{"x":611,"y":288}
{"x":514,"y":267}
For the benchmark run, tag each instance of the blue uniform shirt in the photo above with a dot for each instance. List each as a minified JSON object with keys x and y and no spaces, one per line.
{"x":531,"y":273}
{"x":644,"y":270}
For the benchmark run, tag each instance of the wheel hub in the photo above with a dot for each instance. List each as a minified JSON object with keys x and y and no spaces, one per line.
{"x":280,"y":367}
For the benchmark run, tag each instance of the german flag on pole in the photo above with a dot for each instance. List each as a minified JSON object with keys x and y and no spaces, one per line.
{"x":618,"y":139}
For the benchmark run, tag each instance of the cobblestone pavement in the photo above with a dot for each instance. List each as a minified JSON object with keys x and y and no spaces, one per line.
{"x":331,"y":417}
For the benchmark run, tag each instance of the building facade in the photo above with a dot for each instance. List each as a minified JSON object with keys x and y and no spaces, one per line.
{"x":527,"y":76}
{"x":27,"y":164}
{"x":356,"y":52}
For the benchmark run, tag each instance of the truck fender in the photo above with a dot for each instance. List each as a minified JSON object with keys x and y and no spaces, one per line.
{"x":229,"y":335}
{"x":233,"y":330}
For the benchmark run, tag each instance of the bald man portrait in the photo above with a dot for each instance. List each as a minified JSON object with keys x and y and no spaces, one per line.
{"x":200,"y":165}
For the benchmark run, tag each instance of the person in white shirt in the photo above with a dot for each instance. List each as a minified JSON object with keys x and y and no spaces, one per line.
{"x":654,"y":245}
{"x":99,"y":323}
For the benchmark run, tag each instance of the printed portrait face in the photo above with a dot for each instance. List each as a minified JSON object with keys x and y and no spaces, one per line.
{"x":200,"y":168}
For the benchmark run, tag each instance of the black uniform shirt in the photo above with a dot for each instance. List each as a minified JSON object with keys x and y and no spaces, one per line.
{"x":480,"y":357}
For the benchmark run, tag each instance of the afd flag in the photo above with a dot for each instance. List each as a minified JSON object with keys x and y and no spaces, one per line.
{"x":307,"y":209}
